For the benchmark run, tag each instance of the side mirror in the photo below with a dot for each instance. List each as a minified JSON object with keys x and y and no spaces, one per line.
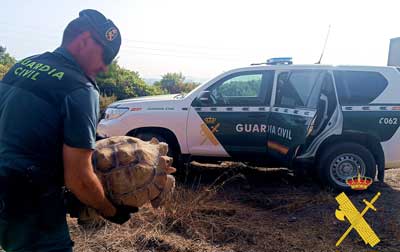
{"x":204,"y":97}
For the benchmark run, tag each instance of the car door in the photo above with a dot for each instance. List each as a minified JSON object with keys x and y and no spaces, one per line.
{"x":294,"y":111}
{"x":233,"y":121}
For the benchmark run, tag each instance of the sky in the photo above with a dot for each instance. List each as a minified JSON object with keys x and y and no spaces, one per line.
{"x":202,"y":39}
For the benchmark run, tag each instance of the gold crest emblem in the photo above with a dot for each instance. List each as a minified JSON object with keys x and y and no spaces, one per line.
{"x":347,"y":211}
{"x":111,"y":34}
{"x":359,"y":182}
{"x":210,"y":120}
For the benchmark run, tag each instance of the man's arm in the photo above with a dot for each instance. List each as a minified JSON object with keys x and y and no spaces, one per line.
{"x":83,"y":182}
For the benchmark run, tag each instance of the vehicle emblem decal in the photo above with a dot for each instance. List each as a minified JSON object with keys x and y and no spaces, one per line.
{"x":210,"y":120}
{"x":209,"y":134}
{"x":359,"y":182}
{"x":348,"y":211}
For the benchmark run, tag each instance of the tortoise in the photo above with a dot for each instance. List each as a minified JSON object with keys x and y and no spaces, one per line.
{"x":132,"y":172}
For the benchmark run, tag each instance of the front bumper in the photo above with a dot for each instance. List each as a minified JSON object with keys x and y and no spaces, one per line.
{"x":108,"y":128}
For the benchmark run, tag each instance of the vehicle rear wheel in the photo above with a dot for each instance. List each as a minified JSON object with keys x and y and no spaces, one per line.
{"x":343,"y":161}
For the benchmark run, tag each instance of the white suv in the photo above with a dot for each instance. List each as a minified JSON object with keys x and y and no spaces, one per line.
{"x":343,"y":120}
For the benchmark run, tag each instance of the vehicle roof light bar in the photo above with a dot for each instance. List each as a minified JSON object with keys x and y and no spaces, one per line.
{"x":276,"y":61}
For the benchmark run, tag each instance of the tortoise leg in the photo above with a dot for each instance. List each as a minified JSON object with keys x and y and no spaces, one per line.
{"x":88,"y":218}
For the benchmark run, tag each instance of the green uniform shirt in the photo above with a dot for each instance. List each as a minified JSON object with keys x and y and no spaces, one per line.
{"x":45,"y":101}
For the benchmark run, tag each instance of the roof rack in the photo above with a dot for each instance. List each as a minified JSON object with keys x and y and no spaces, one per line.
{"x":276,"y":61}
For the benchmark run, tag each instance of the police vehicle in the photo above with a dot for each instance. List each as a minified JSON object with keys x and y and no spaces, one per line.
{"x":340,"y":120}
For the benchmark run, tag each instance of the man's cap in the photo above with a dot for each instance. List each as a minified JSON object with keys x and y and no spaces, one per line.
{"x":104,"y":32}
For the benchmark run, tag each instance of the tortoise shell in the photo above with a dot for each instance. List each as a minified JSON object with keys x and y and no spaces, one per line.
{"x":133,"y":171}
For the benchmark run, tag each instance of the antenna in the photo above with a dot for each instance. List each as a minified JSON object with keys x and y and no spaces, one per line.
{"x":323,"y":50}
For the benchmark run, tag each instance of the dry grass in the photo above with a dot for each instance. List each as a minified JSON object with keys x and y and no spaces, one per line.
{"x":184,"y":216}
{"x":236,"y":212}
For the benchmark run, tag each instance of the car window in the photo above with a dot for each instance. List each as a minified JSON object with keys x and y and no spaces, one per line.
{"x":358,"y":87}
{"x":294,"y":88}
{"x":243,"y":85}
{"x":243,"y":89}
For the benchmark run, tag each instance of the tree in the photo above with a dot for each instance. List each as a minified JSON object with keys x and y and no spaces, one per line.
{"x":187,"y":87}
{"x":6,"y":61}
{"x":175,"y":83}
{"x":3,"y":70}
{"x":171,"y":82}
{"x":123,"y":83}
{"x":5,"y":58}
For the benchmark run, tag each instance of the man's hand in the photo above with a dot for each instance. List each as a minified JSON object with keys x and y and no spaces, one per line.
{"x":122,"y":215}
{"x":80,"y":178}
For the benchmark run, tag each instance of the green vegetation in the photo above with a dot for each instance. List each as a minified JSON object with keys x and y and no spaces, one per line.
{"x":120,"y":83}
{"x":124,"y":83}
{"x":6,"y":61}
{"x":174,"y":83}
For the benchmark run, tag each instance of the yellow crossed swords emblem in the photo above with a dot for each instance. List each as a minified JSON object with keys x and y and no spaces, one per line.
{"x":209,"y":134}
{"x":356,"y":219}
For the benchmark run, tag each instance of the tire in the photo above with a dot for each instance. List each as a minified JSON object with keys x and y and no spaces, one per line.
{"x":342,"y":161}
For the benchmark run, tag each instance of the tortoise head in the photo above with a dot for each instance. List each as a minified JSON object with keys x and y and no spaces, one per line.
{"x":165,"y":163}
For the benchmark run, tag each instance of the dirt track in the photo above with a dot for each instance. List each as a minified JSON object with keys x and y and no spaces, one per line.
{"x":243,"y":209}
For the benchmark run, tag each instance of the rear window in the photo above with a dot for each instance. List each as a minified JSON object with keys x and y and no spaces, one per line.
{"x":358,"y":87}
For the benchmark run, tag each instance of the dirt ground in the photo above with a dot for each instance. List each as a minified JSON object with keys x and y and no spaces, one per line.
{"x":237,"y":208}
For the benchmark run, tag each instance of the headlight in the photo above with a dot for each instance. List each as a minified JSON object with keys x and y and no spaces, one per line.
{"x":112,"y":113}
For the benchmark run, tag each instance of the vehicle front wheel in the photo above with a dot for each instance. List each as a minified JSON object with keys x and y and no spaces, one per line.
{"x":343,"y":161}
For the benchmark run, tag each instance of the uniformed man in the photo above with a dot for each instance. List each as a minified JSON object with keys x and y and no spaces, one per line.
{"x":49,"y":106}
